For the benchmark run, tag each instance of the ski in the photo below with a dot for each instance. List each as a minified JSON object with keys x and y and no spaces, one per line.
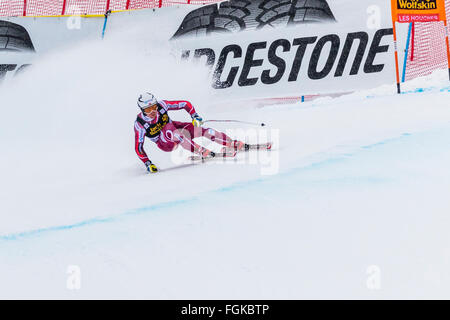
{"x":231,"y":153}
{"x":258,"y":146}
{"x":219,"y":155}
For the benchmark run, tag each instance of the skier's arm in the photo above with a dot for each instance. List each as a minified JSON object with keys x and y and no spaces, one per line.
{"x":139,"y":136}
{"x":180,"y":104}
{"x":197,"y":121}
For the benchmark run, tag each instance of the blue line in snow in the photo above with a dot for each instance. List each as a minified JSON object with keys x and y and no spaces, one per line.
{"x":176,"y":203}
{"x":16,"y":236}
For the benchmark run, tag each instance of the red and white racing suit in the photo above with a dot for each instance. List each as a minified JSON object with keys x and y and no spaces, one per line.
{"x":167,"y":134}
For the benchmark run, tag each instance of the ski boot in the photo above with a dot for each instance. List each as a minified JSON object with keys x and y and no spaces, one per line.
{"x":205,"y":153}
{"x":240,"y":146}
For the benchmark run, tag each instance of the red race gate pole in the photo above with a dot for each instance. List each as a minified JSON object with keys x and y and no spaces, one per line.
{"x":448,"y":47}
{"x":64,"y":8}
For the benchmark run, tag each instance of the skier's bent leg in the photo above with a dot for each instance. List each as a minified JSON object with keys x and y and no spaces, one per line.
{"x":187,"y":143}
{"x":182,"y":133}
{"x":166,"y":146}
{"x":217,"y":137}
{"x":185,"y":134}
{"x":223,"y":139}
{"x":209,"y":133}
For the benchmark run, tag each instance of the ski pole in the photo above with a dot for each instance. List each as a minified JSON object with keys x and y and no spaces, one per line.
{"x":238,"y":121}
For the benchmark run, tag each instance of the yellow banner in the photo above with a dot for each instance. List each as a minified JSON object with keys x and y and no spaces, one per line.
{"x":418,"y":10}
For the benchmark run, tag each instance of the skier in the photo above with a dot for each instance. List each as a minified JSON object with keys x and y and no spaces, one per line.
{"x":154,"y":123}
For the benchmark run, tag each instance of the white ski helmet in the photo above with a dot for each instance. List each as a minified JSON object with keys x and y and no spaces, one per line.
{"x":146,"y":100}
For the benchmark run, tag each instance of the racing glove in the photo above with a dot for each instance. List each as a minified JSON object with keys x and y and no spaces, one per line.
{"x":151,"y":168}
{"x":197,"y":121}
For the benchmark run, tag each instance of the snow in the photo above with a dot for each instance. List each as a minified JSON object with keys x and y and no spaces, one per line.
{"x":353,"y":182}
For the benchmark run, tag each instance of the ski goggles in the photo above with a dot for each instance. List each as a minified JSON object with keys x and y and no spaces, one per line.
{"x":150,"y":108}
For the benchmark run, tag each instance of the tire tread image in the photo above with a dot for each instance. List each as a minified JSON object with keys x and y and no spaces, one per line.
{"x":239,"y":15}
{"x":14,"y":37}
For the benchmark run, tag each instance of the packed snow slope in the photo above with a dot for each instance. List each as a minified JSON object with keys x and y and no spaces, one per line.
{"x":354,"y":184}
